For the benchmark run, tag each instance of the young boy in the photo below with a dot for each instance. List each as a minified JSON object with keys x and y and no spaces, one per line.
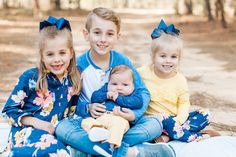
{"x":102,"y":32}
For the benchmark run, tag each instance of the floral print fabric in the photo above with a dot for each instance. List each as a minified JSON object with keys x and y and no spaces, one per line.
{"x":56,"y":104}
{"x":189,"y":131}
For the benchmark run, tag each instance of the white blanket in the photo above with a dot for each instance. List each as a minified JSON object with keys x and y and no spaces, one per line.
{"x":220,"y":146}
{"x":4,"y":132}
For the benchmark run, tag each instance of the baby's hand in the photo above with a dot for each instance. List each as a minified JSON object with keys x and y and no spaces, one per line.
{"x":112,"y":95}
{"x":109,"y":95}
{"x":115,"y":96}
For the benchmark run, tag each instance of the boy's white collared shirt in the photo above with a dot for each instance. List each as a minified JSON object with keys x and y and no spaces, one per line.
{"x":93,"y":79}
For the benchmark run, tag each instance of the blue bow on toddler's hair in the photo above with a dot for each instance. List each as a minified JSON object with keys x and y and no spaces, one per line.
{"x":163,"y":27}
{"x":52,"y":21}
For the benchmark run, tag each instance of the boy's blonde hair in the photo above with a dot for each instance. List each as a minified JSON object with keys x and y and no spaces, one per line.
{"x":104,"y":13}
{"x":121,"y":68}
{"x":166,"y":42}
{"x":52,"y":32}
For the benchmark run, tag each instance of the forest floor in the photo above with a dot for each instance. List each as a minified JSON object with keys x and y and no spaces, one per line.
{"x":208,"y":60}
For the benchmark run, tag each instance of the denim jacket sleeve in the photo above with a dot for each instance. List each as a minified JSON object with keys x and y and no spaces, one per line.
{"x":14,"y":105}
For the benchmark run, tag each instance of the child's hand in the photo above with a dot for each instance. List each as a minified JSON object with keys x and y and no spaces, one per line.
{"x":112,"y":95}
{"x":125,"y":113}
{"x":38,"y":124}
{"x":115,"y":96}
{"x":177,"y":121}
{"x":44,"y":125}
{"x":97,"y":109}
{"x":109,"y":95}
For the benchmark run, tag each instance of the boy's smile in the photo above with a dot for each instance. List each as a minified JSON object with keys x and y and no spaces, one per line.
{"x":102,"y":36}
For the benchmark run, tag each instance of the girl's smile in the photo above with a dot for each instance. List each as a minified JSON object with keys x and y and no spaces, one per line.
{"x":57,"y":56}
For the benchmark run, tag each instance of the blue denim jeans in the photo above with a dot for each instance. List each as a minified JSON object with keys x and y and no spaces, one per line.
{"x":146,"y":129}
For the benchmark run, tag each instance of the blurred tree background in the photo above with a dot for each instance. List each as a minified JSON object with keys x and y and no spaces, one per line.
{"x":215,"y":10}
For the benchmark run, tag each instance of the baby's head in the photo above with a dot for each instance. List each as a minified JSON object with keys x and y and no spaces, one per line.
{"x":104,"y":13}
{"x":121,"y":80}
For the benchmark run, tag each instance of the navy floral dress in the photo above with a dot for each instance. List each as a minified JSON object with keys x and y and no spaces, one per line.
{"x":52,"y":107}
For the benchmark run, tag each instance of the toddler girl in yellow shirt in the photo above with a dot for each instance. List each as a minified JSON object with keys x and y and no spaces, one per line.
{"x":169,"y":89}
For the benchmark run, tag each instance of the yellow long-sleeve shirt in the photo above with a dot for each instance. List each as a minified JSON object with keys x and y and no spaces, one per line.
{"x":167,"y":95}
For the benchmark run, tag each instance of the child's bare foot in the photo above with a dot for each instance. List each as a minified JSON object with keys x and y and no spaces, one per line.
{"x":211,"y":133}
{"x":207,"y":134}
{"x":162,"y":138}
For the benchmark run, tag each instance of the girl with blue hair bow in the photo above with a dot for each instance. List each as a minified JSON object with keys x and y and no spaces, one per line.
{"x":44,"y":95}
{"x":169,"y":89}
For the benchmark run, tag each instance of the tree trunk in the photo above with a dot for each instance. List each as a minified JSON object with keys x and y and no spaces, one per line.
{"x":208,"y":7}
{"x":220,"y":8}
{"x":36,"y":9}
{"x":58,"y":4}
{"x":217,"y":9}
{"x":126,"y":4}
{"x":223,"y":22}
{"x":176,"y":6}
{"x":234,"y":4}
{"x":78,"y":3}
{"x":5,"y":4}
{"x":189,"y":6}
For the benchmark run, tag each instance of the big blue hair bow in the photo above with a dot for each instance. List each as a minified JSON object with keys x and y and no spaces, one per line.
{"x":163,"y":27}
{"x":52,"y":21}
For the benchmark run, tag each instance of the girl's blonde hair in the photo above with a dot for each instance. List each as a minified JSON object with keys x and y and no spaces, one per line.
{"x":105,"y":14}
{"x":52,"y":32}
{"x":166,"y":42}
